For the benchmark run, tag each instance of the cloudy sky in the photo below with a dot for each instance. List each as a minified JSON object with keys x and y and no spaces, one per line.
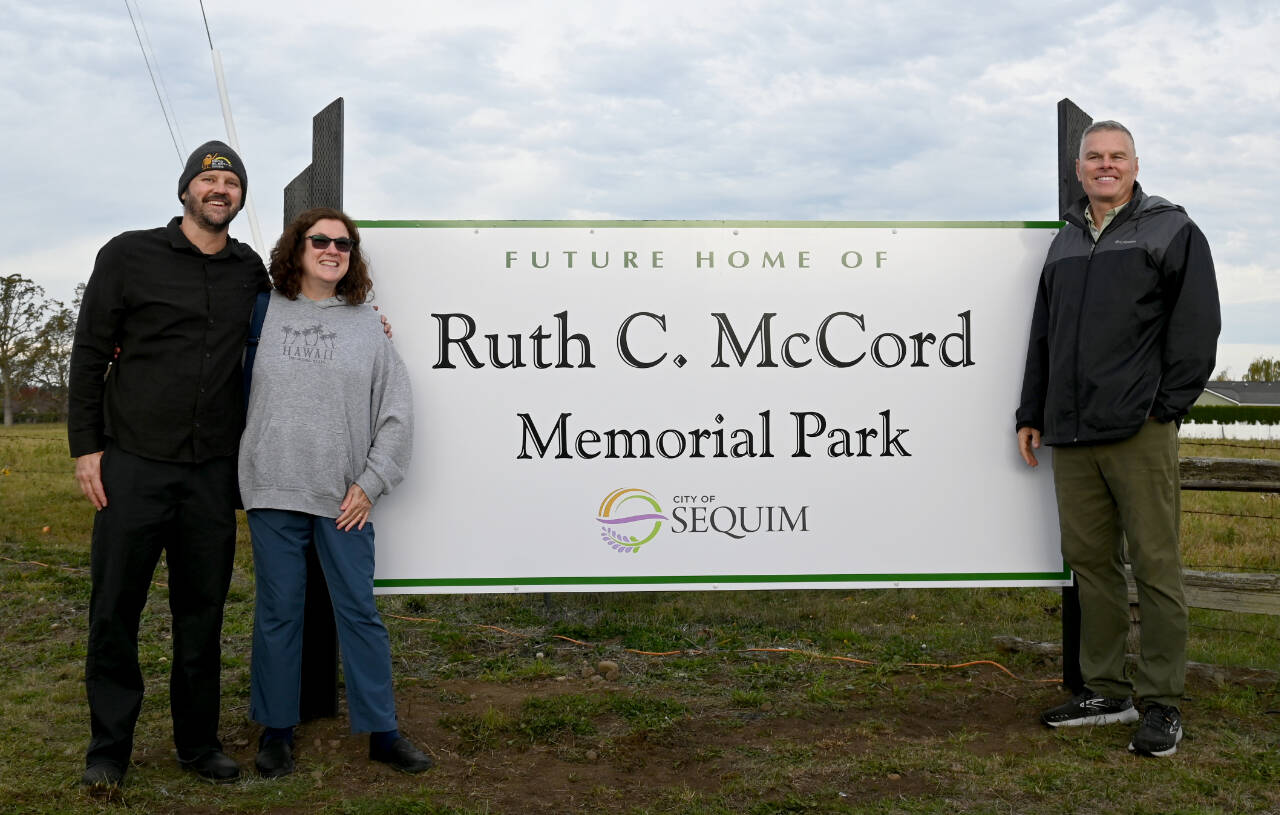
{"x":653,"y":109}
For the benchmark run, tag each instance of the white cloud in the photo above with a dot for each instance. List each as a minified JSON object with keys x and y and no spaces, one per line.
{"x":1251,"y":283}
{"x":58,"y":269}
{"x":658,"y":109}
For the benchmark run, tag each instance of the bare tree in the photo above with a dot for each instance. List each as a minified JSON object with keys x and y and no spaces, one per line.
{"x":50,"y":355}
{"x":22,"y":309}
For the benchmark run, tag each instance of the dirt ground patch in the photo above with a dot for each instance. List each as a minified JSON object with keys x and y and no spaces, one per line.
{"x":717,"y":745}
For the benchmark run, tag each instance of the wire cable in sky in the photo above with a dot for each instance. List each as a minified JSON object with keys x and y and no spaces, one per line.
{"x":151,"y":73}
{"x":205,"y":17}
{"x":164,"y":89}
{"x":229,"y":120}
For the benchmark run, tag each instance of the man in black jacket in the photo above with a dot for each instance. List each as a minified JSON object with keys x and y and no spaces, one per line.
{"x":155,"y":421}
{"x":1123,"y":339}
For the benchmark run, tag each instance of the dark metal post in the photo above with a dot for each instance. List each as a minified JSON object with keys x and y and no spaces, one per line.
{"x":1072,"y":677}
{"x":319,"y":185}
{"x":1071,"y":124}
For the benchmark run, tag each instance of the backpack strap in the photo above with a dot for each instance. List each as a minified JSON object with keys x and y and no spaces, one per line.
{"x":251,"y":344}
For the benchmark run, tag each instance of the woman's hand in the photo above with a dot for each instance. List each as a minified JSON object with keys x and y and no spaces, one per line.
{"x":355,"y":509}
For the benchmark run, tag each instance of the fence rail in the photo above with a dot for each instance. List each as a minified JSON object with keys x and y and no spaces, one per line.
{"x":1251,"y":593}
{"x":1230,"y":474}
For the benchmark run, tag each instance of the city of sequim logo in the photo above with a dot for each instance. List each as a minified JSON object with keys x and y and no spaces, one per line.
{"x":629,"y":518}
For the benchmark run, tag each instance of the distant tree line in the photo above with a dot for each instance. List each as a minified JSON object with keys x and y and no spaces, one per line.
{"x":35,"y":350}
{"x":1261,"y":369}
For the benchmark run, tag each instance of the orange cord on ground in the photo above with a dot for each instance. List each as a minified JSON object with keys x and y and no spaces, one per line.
{"x":701,"y":652}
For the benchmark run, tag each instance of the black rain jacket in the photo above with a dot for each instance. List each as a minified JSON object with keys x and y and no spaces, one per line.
{"x":1123,"y":329}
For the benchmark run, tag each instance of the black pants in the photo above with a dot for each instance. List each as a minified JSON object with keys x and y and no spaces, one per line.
{"x":188,"y":512}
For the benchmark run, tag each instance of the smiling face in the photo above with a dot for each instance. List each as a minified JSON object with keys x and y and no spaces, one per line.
{"x":323,"y":268}
{"x":1107,"y":168}
{"x":212,"y":199}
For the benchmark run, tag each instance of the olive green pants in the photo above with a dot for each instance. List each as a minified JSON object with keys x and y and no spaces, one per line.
{"x":1107,"y":494}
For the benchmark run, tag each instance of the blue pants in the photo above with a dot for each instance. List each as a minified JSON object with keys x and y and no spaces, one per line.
{"x":280,"y":542}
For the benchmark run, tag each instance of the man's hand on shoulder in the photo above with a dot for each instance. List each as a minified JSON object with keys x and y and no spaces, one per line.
{"x":89,"y":474}
{"x":1028,"y":443}
{"x":386,"y":324}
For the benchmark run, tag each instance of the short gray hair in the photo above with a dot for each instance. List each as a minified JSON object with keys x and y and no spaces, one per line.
{"x":1106,"y":124}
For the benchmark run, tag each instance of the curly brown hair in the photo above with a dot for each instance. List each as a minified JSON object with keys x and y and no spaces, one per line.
{"x":286,"y":258}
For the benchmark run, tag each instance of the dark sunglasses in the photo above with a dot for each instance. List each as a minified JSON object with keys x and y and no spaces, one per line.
{"x":322,"y":242}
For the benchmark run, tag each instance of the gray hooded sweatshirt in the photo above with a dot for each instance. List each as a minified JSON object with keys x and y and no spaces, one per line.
{"x":330,"y":406}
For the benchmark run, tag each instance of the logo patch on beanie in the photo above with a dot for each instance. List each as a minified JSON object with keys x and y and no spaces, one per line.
{"x":216,"y":161}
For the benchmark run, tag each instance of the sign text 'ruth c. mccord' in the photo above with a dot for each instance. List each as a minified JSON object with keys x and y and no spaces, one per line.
{"x":842,"y":339}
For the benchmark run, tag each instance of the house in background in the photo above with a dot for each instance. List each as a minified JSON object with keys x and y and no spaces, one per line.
{"x":36,"y":404}
{"x":1240,"y":393}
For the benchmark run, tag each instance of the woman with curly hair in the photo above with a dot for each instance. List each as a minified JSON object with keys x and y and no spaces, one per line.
{"x":329,"y":431}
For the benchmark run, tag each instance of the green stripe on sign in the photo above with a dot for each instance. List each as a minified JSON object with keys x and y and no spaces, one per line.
{"x":649,"y":580}
{"x":375,"y":224}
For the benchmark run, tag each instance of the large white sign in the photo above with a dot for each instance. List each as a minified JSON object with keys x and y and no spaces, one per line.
{"x":713,"y":405}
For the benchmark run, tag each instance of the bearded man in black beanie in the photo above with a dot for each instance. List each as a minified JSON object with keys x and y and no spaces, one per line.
{"x":155,"y":419}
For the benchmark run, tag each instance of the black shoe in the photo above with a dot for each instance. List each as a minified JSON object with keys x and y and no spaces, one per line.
{"x":1087,"y":707}
{"x":102,"y":780}
{"x":215,"y":766}
{"x":1159,"y":733}
{"x":275,"y":759}
{"x":403,"y":756}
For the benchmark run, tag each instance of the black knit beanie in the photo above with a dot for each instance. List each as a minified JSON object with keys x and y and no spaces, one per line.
{"x":213,"y":155}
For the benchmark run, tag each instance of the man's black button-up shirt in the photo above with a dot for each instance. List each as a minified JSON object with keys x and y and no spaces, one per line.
{"x":179,"y":318}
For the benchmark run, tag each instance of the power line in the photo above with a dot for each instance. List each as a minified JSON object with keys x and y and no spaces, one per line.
{"x":205,"y":17}
{"x":229,"y":120}
{"x":182,"y":143}
{"x":151,"y":73}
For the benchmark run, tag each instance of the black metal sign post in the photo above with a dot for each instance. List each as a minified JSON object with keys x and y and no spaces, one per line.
{"x":1071,"y":124}
{"x":319,"y":185}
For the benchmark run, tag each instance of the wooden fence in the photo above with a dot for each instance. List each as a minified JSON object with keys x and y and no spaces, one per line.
{"x":1228,"y":591}
{"x":1230,"y":474}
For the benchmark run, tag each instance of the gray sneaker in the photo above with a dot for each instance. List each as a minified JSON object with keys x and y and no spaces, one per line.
{"x":1159,"y":733}
{"x":1088,"y":707}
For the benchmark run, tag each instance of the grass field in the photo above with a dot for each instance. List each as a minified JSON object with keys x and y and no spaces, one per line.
{"x":544,"y":703}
